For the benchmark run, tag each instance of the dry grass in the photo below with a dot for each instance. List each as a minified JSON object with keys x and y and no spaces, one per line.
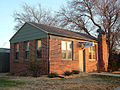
{"x":80,"y":82}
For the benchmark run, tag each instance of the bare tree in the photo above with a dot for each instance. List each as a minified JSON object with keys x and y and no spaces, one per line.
{"x":34,"y":14}
{"x":102,"y":14}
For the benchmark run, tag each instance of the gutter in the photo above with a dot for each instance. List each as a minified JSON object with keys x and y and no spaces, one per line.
{"x":48,"y":53}
{"x":72,"y":37}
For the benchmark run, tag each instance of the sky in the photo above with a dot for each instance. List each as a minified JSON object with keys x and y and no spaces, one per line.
{"x":8,"y":7}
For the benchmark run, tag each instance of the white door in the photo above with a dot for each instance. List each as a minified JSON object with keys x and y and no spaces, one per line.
{"x":81,"y":60}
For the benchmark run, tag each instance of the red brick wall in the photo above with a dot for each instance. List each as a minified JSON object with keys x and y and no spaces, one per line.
{"x":52,"y":57}
{"x":18,"y":66}
{"x":56,"y":63}
{"x":60,"y":66}
{"x":91,"y":65}
{"x":11,"y":56}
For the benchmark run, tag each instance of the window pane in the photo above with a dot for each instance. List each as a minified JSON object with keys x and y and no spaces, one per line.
{"x":38,"y":44}
{"x":27,"y":48}
{"x":39,"y":53}
{"x":63,"y":45}
{"x":94,"y":48}
{"x":26,"y":54}
{"x":89,"y":49}
{"x":69,"y":54}
{"x":94,"y":56}
{"x":69,"y":45}
{"x":17,"y":47}
{"x":39,"y":50}
{"x":66,"y":47}
{"x":16,"y":51}
{"x":63,"y":54}
{"x":92,"y":52}
{"x":16,"y":55}
{"x":90,"y":55}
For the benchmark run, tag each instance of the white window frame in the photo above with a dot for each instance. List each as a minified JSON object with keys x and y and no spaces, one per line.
{"x":37,"y":48}
{"x":92,"y":53}
{"x":17,"y":51}
{"x":27,"y":49}
{"x":67,"y":50}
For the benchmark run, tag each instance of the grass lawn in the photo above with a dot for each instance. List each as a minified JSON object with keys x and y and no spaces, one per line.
{"x":116,"y":73}
{"x":6,"y":82}
{"x":93,"y":82}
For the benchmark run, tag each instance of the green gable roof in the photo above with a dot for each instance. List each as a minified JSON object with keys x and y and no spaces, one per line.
{"x":27,"y":32}
{"x":32,"y":31}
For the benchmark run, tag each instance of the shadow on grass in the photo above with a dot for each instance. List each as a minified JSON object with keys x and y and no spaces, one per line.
{"x":107,"y":79}
{"x":5,"y":82}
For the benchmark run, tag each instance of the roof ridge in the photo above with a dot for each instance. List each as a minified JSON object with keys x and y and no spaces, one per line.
{"x":50,"y":26}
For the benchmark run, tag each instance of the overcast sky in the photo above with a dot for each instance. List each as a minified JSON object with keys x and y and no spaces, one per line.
{"x":7,"y":8}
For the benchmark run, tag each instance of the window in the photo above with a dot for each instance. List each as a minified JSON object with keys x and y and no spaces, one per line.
{"x":66,"y":47}
{"x":16,"y":51}
{"x":27,"y":50}
{"x":92,"y":52}
{"x":39,"y":49}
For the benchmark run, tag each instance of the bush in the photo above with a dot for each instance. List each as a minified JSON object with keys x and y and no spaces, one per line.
{"x":68,"y":73}
{"x":75,"y":71}
{"x":35,"y":67}
{"x":113,"y":63}
{"x":52,"y":75}
{"x":12,"y":73}
{"x":23,"y":74}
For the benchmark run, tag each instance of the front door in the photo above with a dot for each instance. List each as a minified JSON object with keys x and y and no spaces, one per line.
{"x":81,"y":61}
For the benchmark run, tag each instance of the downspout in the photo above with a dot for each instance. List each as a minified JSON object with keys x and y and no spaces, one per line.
{"x":48,"y":52}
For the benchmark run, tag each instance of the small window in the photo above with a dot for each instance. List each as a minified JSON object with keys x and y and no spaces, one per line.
{"x":39,"y":49}
{"x":92,"y":52}
{"x":27,"y":50}
{"x":66,"y":50}
{"x":16,"y":51}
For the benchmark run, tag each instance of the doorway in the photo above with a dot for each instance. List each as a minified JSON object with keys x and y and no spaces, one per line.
{"x":82,"y":60}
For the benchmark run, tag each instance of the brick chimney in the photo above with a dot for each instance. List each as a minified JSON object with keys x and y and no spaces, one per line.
{"x":103,"y":53}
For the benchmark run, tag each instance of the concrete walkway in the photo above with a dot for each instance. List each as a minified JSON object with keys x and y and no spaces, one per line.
{"x":105,"y":74}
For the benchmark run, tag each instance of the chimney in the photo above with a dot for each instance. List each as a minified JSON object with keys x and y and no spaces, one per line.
{"x":102,"y":53}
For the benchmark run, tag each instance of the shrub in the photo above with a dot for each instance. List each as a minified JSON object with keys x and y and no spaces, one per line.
{"x":68,"y":73}
{"x":75,"y":71}
{"x":52,"y":75}
{"x":23,"y":74}
{"x":113,"y":65}
{"x":114,"y":62}
{"x":34,"y":67}
{"x":12,"y":73}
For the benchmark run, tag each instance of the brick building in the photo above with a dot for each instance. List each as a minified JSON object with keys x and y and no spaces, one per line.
{"x":59,"y":50}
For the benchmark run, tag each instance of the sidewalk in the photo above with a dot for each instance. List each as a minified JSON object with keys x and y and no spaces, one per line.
{"x":105,"y":74}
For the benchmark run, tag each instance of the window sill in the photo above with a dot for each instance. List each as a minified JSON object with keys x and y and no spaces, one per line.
{"x":38,"y":59}
{"x":92,"y":60}
{"x":26,"y":60}
{"x":16,"y":61}
{"x":67,"y":59}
